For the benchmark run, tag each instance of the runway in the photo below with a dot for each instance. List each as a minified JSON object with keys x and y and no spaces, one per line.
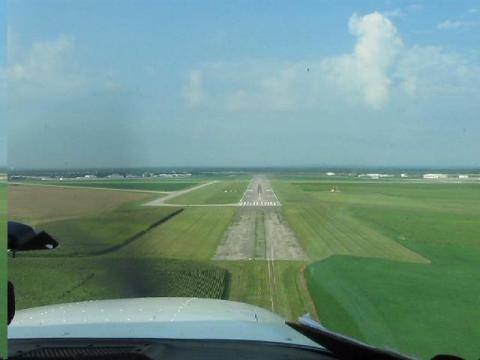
{"x":259,"y":230}
{"x":259,"y":193}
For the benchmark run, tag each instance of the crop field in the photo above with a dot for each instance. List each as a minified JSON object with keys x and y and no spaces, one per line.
{"x":38,"y":281}
{"x":388,"y":261}
{"x":147,"y":185}
{"x":39,"y":204}
{"x":101,"y":254}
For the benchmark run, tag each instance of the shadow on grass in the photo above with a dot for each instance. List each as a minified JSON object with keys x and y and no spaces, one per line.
{"x":108,"y":250}
{"x":138,"y":235}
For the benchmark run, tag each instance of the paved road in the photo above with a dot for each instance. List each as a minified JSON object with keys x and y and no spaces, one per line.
{"x":260,"y":193}
{"x":161,"y":201}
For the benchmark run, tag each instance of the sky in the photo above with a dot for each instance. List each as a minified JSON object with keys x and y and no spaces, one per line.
{"x":242,"y":83}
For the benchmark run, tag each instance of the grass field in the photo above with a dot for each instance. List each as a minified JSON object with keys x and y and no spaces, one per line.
{"x":398,"y":261}
{"x":222,"y":192}
{"x":97,"y":256}
{"x":194,"y":234}
{"x":325,"y":227}
{"x":250,"y":283}
{"x":91,"y":235}
{"x":394,"y":264}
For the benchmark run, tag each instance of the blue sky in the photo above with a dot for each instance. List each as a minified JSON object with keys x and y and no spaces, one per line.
{"x":244,"y":83}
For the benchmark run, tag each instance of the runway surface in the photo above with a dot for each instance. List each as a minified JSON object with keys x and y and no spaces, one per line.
{"x":259,"y":193}
{"x":259,"y":230}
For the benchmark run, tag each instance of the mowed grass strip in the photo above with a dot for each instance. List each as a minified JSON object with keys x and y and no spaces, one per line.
{"x":326,"y":230}
{"x":91,"y":235}
{"x":38,"y":281}
{"x":222,"y":192}
{"x":149,"y":185}
{"x":250,"y":283}
{"x":193,"y":234}
{"x":36,"y":204}
{"x":326,"y":227}
{"x":458,"y":197}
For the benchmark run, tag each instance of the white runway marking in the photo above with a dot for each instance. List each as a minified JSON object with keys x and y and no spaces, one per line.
{"x":260,"y":203}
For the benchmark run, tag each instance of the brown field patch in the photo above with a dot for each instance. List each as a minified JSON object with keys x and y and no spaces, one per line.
{"x":36,"y":204}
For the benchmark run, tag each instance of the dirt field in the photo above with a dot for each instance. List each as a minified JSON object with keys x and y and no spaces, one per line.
{"x":35,"y":204}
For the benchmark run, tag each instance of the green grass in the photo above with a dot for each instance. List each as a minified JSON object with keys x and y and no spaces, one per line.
{"x":420,"y":310}
{"x":222,"y":192}
{"x":193,"y":234}
{"x":91,"y":235}
{"x":148,"y":185}
{"x":325,"y":227}
{"x":250,"y":283}
{"x":38,"y":281}
{"x":394,"y":264}
{"x":417,"y":308}
{"x":161,"y":262}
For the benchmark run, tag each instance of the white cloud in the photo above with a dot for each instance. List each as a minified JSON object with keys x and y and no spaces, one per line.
{"x":430,"y":71}
{"x":45,"y":69}
{"x":366,"y":70}
{"x":52,"y":69}
{"x":473,"y":10}
{"x":451,"y":25}
{"x":379,"y":69}
{"x":193,"y":92}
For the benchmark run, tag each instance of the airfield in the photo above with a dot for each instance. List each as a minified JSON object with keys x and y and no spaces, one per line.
{"x":386,"y":261}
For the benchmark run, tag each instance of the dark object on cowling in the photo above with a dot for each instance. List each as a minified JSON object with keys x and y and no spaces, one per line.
{"x":22,"y":237}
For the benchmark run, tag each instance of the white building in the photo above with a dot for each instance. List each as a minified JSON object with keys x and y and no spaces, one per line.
{"x":371,"y":176}
{"x":435,"y":176}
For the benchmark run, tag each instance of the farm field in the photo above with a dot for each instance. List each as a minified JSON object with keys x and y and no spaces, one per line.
{"x":40,"y":204}
{"x":147,"y":185}
{"x":388,"y":262}
{"x":91,"y":255}
{"x":38,"y":281}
